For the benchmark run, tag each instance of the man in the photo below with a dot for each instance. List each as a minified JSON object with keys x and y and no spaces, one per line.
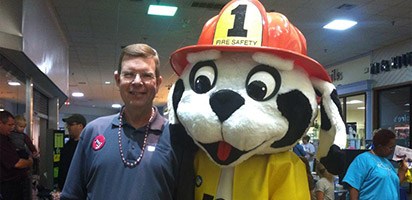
{"x":127,"y":155}
{"x":74,"y":124}
{"x":310,"y":151}
{"x":15,"y":183}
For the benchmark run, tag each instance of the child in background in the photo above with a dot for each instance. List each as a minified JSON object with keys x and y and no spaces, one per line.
{"x":21,"y":141}
{"x":324,"y":189}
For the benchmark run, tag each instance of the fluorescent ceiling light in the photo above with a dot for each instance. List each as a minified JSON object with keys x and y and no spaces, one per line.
{"x":116,"y":105}
{"x":361,"y":108}
{"x":162,"y":10}
{"x":107,"y":82}
{"x":340,"y":24}
{"x":77,"y":94}
{"x":14,"y":83}
{"x":354,"y":102}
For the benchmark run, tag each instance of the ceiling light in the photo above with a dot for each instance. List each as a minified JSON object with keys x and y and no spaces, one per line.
{"x":77,"y":94}
{"x":340,"y":24}
{"x":162,"y":10}
{"x":107,"y":82}
{"x":116,"y":105}
{"x":14,"y":83}
{"x":361,"y":108}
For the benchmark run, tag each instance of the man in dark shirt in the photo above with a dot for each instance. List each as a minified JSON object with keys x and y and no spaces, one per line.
{"x":75,"y":124}
{"x":15,"y":182}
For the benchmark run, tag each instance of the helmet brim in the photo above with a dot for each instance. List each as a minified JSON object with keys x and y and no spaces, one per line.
{"x":312,"y":67}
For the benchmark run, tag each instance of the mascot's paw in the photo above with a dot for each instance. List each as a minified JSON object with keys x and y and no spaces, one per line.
{"x":335,"y":160}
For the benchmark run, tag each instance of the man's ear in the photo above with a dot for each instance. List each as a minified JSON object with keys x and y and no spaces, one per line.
{"x":117,"y":77}
{"x":332,"y":129}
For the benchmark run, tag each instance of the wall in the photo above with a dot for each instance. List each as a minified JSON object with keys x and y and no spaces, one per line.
{"x":44,"y":42}
{"x":394,"y":76}
{"x":10,"y":24}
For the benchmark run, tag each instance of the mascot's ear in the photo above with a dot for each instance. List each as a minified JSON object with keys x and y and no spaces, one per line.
{"x":332,"y":135}
{"x":170,"y":110}
{"x":173,"y":99}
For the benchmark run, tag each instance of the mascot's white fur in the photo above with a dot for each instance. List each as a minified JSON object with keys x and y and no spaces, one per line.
{"x":245,"y":106}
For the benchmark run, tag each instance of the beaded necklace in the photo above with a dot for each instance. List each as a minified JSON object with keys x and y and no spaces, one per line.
{"x":137,"y":161}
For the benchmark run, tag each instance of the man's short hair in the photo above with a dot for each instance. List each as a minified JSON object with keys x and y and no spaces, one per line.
{"x":5,"y":115}
{"x":140,"y":50}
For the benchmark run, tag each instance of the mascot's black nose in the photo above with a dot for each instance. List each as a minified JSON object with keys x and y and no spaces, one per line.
{"x":225,"y":102}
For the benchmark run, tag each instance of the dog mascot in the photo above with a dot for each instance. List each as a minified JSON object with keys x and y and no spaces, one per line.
{"x":246,"y":94}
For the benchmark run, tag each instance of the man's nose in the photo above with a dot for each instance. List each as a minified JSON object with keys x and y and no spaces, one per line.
{"x":137,"y":79}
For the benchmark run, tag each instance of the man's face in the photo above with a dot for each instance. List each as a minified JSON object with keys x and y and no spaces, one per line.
{"x":74,"y":129}
{"x":137,"y":81}
{"x":6,"y":128}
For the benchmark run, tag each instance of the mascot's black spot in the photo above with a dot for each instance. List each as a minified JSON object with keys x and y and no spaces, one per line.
{"x":335,"y":98}
{"x":225,"y":102}
{"x":325,"y":121}
{"x":177,"y":93}
{"x":334,"y":162}
{"x":295,"y":106}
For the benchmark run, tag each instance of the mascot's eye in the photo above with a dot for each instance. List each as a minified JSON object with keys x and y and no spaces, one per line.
{"x":203,"y":76}
{"x":263,"y":82}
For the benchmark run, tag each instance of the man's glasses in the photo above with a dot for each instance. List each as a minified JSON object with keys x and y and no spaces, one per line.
{"x":145,"y":77}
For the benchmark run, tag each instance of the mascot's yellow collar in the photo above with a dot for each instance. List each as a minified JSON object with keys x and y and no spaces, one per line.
{"x":275,"y":176}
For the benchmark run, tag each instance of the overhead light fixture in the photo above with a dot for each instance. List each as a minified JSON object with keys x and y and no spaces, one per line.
{"x":162,"y":10}
{"x":77,"y":94}
{"x":107,"y":82}
{"x":116,"y":105}
{"x":14,"y":83}
{"x":340,"y":24}
{"x":361,"y":108}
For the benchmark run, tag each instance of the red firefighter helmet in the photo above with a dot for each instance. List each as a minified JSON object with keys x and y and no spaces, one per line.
{"x":244,"y":26}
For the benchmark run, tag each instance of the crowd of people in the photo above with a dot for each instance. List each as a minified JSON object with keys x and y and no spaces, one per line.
{"x":99,"y":171}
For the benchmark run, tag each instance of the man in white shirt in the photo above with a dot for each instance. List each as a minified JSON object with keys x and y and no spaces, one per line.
{"x":310,"y":150}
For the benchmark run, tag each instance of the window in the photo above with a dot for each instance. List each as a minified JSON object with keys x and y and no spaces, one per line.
{"x":394,"y":112}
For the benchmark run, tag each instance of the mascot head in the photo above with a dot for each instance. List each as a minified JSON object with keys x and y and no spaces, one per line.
{"x":249,"y":88}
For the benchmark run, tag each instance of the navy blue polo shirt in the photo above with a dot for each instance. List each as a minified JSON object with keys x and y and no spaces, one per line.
{"x":97,"y":170}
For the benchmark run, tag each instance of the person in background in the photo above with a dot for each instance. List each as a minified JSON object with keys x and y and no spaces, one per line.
{"x":127,"y":155}
{"x":22,"y":142}
{"x":75,"y":124}
{"x":371,"y":175}
{"x":310,"y":151}
{"x":324,"y":189}
{"x":299,"y":150}
{"x":14,"y":179}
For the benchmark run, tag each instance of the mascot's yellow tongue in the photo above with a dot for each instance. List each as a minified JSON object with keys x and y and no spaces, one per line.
{"x":223,"y":150}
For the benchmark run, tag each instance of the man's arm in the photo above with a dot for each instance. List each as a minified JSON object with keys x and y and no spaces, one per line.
{"x":24,"y":163}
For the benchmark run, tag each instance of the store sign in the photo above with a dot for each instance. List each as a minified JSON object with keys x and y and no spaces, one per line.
{"x":336,"y":75}
{"x":396,"y":62}
{"x":402,"y":118}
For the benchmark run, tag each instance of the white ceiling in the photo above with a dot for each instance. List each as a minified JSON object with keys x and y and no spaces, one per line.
{"x":96,"y":30}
